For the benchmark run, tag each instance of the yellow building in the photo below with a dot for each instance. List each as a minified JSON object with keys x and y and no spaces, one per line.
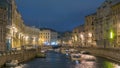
{"x":13,"y":32}
{"x":48,"y":37}
{"x":116,"y":22}
{"x":16,"y":27}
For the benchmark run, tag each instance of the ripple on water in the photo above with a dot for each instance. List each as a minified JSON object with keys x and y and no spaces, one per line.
{"x":57,"y":60}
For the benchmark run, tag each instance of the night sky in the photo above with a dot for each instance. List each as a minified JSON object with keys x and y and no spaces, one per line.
{"x":61,"y":15}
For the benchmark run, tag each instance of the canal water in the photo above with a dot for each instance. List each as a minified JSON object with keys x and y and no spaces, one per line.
{"x":58,"y":60}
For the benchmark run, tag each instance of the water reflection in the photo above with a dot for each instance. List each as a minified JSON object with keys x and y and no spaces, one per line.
{"x":103,"y":63}
{"x":107,"y":64}
{"x":86,"y":64}
{"x":57,"y":60}
{"x":99,"y":63}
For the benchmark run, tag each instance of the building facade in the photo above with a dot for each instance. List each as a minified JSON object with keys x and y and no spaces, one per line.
{"x":19,"y":33}
{"x":78,"y":36}
{"x":66,"y":39}
{"x":13,"y":31}
{"x":31,"y":36}
{"x":90,"y":30}
{"x":3,"y":23}
{"x":48,"y":37}
{"x":116,"y":22}
{"x":103,"y":24}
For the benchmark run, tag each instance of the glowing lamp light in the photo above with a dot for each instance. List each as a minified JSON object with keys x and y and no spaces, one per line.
{"x":26,"y":38}
{"x":15,"y":29}
{"x":75,"y":38}
{"x":46,"y":43}
{"x":53,"y":43}
{"x":111,"y":35}
{"x":90,"y":34}
{"x":82,"y":37}
{"x":34,"y":38}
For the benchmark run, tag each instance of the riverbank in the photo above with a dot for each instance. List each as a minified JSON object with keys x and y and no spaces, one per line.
{"x":108,"y":53}
{"x":21,"y":56}
{"x":58,"y":60}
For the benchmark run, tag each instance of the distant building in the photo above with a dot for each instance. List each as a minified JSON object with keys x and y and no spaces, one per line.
{"x":31,"y":36}
{"x":48,"y":37}
{"x":78,"y":36}
{"x":66,"y":38}
{"x":90,"y":30}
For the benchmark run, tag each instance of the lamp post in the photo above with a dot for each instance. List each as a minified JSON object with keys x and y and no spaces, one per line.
{"x":111,"y":37}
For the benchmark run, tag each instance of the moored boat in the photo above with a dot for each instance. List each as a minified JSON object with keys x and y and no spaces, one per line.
{"x":75,"y":57}
{"x":11,"y":63}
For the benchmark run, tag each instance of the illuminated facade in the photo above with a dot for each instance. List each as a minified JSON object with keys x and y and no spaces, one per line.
{"x":78,"y":36}
{"x":16,"y":27}
{"x":21,"y":34}
{"x":66,"y":38}
{"x":48,"y":37}
{"x":90,"y":30}
{"x":31,"y":35}
{"x":103,"y":24}
{"x":14,"y":33}
{"x":54,"y":38}
{"x":116,"y":23}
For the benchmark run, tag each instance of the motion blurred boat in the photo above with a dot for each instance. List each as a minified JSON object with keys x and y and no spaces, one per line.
{"x":11,"y":63}
{"x":88,"y":57}
{"x":75,"y":57}
{"x":85,"y":52}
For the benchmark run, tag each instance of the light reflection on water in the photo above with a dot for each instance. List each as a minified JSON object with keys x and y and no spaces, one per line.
{"x":57,"y":60}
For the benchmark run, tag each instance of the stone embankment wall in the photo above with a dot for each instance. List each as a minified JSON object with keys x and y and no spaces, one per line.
{"x":109,"y":53}
{"x":21,"y":56}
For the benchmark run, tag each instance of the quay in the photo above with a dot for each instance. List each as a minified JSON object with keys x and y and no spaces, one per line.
{"x":21,"y":56}
{"x":107,"y":53}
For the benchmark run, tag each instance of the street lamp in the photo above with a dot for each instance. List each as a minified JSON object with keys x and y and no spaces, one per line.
{"x":111,"y":34}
